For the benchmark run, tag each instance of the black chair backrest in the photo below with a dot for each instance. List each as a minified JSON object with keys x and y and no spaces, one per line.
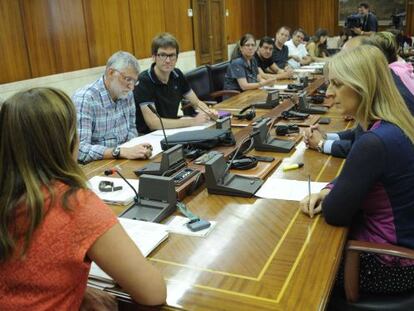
{"x":199,"y":80}
{"x":217,"y":72}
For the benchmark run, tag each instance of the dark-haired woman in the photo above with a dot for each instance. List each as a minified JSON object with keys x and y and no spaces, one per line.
{"x":243,"y":73}
{"x":317,"y":45}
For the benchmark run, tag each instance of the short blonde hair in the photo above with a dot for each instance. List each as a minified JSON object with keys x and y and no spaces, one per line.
{"x":366,"y":71}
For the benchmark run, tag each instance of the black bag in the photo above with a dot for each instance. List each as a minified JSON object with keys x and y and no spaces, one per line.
{"x":201,"y":139}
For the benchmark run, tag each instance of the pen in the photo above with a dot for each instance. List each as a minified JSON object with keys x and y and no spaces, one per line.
{"x":292,"y":167}
{"x":309,"y":191}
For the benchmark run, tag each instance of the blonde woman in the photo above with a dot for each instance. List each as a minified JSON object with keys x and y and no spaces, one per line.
{"x":51,"y":225}
{"x":374,"y":192}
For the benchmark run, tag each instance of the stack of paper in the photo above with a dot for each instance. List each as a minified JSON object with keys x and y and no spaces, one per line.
{"x":146,"y":235}
{"x":125,"y":196}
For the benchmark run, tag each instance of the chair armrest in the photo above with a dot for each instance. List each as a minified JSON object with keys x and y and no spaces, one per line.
{"x":382,"y":249}
{"x":351,"y":266}
{"x":224,"y":93}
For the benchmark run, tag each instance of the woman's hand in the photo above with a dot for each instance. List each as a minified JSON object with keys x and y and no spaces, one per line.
{"x":312,"y":205}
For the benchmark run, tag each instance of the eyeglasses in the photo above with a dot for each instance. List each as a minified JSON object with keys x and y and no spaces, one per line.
{"x":127,"y":79}
{"x":249,"y":45}
{"x":164,"y":56}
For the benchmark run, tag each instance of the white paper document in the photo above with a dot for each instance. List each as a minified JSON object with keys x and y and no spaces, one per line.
{"x":314,"y":66}
{"x":125,"y":196}
{"x":178,"y":224}
{"x":274,"y":87}
{"x":284,"y":189}
{"x":304,"y":70}
{"x":146,"y":236}
{"x":153,"y":140}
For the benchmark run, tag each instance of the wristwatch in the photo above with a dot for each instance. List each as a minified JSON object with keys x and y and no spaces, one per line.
{"x":320,"y":145}
{"x":116,"y":152}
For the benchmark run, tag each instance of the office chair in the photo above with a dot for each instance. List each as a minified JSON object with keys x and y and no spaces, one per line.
{"x":217,"y":72}
{"x":200,"y":82}
{"x":352,"y":300}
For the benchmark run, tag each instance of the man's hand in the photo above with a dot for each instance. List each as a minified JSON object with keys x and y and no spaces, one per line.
{"x":141,"y":151}
{"x":313,"y":136}
{"x":270,"y":81}
{"x":200,"y":118}
{"x":296,"y":58}
{"x":357,"y":31}
{"x":213,"y":114}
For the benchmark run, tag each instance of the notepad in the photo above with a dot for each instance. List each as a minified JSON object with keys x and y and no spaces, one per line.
{"x":125,"y":196}
{"x":146,"y":236}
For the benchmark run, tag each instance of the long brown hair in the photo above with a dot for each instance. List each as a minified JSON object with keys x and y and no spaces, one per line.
{"x":37,"y":140}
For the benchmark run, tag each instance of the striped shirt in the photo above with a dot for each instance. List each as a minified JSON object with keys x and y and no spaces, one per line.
{"x":102,"y":122}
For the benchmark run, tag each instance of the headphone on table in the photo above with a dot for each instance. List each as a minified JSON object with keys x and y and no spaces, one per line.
{"x":243,"y":162}
{"x":244,"y":114}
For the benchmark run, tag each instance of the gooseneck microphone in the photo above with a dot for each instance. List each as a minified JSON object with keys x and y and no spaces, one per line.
{"x":250,"y":136}
{"x":152,"y":108}
{"x":111,"y":171}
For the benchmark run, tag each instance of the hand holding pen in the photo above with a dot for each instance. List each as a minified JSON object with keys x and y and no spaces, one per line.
{"x":312,"y":204}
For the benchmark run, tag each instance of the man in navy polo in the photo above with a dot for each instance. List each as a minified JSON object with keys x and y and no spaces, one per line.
{"x":164,"y":86}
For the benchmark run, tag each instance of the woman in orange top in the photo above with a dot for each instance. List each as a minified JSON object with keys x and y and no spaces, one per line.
{"x":51,"y":225}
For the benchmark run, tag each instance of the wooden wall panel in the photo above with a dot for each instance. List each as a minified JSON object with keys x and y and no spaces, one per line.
{"x":233,"y":20}
{"x":144,"y":29}
{"x":409,"y":22}
{"x":319,"y":14}
{"x":70,"y":44}
{"x":55,"y":36}
{"x":37,"y":26}
{"x":178,"y":23}
{"x":258,"y":15}
{"x":245,"y":16}
{"x":108,"y":28}
{"x":14,"y":60}
{"x":307,"y":14}
{"x":282,"y":13}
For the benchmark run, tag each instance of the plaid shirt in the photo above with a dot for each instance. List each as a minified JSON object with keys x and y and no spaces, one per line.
{"x":102,"y":123}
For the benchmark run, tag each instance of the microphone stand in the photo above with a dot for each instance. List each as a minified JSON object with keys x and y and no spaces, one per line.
{"x":154,"y":111}
{"x":111,"y":171}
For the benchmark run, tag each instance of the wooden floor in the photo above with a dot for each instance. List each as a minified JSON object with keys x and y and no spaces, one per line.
{"x":263,"y":254}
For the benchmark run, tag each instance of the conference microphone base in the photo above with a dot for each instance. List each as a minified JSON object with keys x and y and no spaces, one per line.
{"x":153,"y":212}
{"x":231,"y":184}
{"x":273,"y":144}
{"x":152,"y":203}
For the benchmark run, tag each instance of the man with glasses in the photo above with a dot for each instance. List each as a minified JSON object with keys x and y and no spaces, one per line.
{"x":106,"y":113}
{"x":298,"y":55}
{"x":165,"y":86}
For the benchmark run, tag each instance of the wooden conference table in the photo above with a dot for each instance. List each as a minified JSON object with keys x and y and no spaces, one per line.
{"x":263,"y":254}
